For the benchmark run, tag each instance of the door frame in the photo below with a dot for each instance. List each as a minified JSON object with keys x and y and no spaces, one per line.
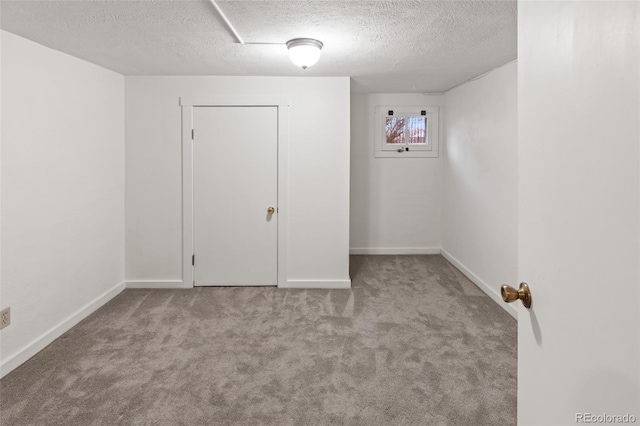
{"x":187,"y":105}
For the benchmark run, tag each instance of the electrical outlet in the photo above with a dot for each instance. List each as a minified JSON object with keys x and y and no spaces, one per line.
{"x":5,"y":317}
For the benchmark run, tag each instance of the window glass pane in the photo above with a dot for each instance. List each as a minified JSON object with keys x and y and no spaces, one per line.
{"x":395,"y":130}
{"x":417,"y":130}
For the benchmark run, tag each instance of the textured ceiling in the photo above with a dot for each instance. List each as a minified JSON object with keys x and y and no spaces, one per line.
{"x":385,"y":46}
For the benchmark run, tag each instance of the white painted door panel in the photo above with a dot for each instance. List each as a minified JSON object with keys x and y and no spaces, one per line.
{"x":235,"y":181}
{"x":578,"y":213}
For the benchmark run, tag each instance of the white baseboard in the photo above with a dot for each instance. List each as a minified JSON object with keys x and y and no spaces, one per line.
{"x":328,"y":284}
{"x":156,"y":284}
{"x":487,"y":289}
{"x":17,"y":359}
{"x":394,"y":250}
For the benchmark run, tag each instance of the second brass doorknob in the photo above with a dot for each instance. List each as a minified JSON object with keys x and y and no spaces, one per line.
{"x":510,"y":294}
{"x":271,"y":210}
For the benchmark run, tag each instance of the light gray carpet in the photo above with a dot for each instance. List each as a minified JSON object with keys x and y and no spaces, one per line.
{"x":412,"y":343}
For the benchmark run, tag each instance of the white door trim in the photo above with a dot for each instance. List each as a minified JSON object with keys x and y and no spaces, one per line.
{"x":187,"y":104}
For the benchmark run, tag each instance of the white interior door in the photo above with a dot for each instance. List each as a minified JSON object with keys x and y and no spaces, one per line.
{"x":235,"y":178}
{"x":578,"y":224}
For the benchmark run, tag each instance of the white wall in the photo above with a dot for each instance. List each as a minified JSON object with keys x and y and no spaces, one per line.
{"x":479,"y":203}
{"x":62,"y":193}
{"x":318,"y":169}
{"x":395,"y":202}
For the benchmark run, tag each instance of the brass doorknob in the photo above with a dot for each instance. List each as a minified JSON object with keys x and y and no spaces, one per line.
{"x":510,"y":294}
{"x":271,"y":210}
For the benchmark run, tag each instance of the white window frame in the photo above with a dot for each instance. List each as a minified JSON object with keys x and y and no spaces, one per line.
{"x":385,"y":150}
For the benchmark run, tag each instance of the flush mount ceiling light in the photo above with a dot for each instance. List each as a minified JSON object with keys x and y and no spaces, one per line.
{"x":304,"y":52}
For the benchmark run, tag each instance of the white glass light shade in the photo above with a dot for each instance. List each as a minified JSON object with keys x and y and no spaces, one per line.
{"x":304,"y":52}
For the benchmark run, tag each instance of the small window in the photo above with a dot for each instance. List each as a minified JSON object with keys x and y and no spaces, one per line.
{"x":395,"y":130}
{"x":406,"y":131}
